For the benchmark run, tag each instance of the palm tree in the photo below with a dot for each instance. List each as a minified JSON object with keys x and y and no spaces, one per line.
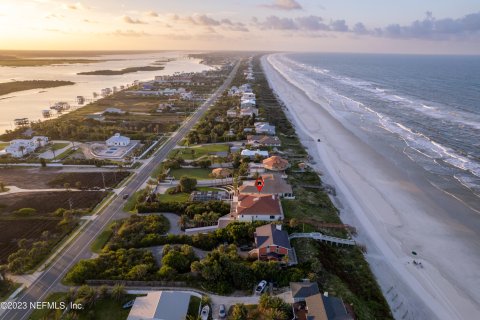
{"x":22,"y":149}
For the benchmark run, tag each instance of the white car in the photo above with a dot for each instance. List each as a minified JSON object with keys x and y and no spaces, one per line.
{"x":222,"y":311}
{"x":261,"y":286}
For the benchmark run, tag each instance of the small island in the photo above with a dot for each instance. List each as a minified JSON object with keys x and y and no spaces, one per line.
{"x":20,"y":62}
{"x":14,"y":86}
{"x":122,"y":71}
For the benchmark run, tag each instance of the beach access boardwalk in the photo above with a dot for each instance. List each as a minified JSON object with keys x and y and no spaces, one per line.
{"x":321,"y":237}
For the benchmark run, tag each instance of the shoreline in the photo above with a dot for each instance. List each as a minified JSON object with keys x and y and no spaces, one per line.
{"x":397,"y":218}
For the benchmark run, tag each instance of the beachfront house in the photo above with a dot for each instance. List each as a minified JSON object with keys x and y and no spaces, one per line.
{"x":273,"y":184}
{"x":249,"y":112}
{"x":253,"y":153}
{"x":118,"y":140}
{"x":264,"y":140}
{"x":260,"y":207}
{"x":272,"y":244}
{"x":276,"y":163}
{"x":247,"y":103}
{"x":264,"y":128}
{"x":248,"y":96}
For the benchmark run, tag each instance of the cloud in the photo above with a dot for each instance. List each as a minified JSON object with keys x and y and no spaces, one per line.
{"x":284,"y":5}
{"x":310,"y":24}
{"x":431,"y":28}
{"x":339,"y":26}
{"x":74,"y":6}
{"x":360,"y":28}
{"x":152,"y":14}
{"x":130,"y":20}
{"x":210,"y":23}
{"x":129,"y":33}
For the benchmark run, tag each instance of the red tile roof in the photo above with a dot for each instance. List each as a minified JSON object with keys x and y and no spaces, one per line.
{"x":262,"y":204}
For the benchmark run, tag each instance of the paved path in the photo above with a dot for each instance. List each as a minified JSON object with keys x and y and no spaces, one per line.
{"x":49,"y":154}
{"x":79,"y":248}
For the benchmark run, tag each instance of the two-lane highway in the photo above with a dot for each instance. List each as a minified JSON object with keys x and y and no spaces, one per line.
{"x":79,"y":248}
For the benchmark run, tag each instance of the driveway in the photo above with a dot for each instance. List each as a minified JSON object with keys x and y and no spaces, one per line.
{"x":230,"y":301}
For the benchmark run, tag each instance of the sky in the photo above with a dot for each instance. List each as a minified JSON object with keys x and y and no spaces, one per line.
{"x":381,"y":26}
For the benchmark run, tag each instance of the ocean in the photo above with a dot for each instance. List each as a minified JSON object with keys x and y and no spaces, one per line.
{"x":30,"y":103}
{"x":425,"y":107}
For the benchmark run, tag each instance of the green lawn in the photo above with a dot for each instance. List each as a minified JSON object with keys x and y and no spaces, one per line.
{"x":102,"y":239}
{"x":3,"y":145}
{"x":199,"y":174}
{"x":193,"y":307}
{"x":196,"y":152}
{"x":180,"y":197}
{"x":105,"y":309}
{"x":60,"y":145}
{"x":131,"y":202}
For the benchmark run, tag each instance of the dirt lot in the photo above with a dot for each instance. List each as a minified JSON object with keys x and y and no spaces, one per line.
{"x":47,"y":202}
{"x":39,"y":178}
{"x":30,"y":229}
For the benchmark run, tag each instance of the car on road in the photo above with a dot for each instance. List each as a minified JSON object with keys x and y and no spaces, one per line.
{"x":222,"y":311}
{"x":125,"y":196}
{"x":260,"y":287}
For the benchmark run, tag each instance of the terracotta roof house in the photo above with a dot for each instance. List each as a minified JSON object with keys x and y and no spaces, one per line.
{"x":272,"y":244}
{"x":221,"y":173}
{"x":264,"y":140}
{"x":275,"y":163}
{"x":262,"y":207}
{"x":273,"y":184}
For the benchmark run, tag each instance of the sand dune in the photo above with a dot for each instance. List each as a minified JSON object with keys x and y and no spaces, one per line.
{"x":396,"y":212}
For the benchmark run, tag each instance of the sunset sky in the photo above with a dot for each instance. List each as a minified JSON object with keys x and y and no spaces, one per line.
{"x":407,"y":26}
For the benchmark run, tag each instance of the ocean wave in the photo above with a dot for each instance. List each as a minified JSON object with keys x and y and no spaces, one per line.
{"x":417,"y":141}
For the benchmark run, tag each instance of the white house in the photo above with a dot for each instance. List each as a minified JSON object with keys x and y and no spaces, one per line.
{"x":20,"y":147}
{"x":254,"y":153}
{"x":247,"y":103}
{"x":113,"y":110}
{"x":264,"y":127}
{"x":248,"y":96}
{"x":118,"y":140}
{"x":232,"y":113}
{"x":260,"y":207}
{"x":248,"y":112}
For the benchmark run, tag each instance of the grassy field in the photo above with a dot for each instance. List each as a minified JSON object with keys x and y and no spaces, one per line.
{"x":59,"y":145}
{"x":181,"y":197}
{"x":14,"y":86}
{"x":193,"y":153}
{"x":3,"y":145}
{"x":199,"y":174}
{"x":193,"y":307}
{"x":102,"y":239}
{"x":42,"y":62}
{"x":105,"y":309}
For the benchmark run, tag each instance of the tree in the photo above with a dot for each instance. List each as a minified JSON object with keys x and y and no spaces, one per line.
{"x":22,"y":150}
{"x":239,"y":312}
{"x":118,"y":292}
{"x":78,"y":184}
{"x":187,"y":184}
{"x":293,"y":223}
{"x":66,"y":185}
{"x":43,"y":163}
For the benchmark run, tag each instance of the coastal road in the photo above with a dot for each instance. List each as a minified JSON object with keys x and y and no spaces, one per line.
{"x":79,"y":248}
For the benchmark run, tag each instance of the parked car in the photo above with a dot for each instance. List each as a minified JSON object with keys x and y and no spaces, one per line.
{"x":245,"y":248}
{"x":129,"y":304}
{"x":221,"y":312}
{"x":261,"y":286}
{"x":125,"y":196}
{"x":205,"y":312}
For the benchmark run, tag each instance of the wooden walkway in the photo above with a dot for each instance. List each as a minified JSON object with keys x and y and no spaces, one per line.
{"x":321,"y":237}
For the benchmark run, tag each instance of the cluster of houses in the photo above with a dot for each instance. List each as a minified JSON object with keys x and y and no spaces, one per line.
{"x":21,"y":147}
{"x":148,"y":89}
{"x":247,"y":102}
{"x":249,"y":72}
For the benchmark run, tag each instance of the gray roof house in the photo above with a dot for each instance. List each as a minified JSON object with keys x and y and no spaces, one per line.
{"x":161,"y":305}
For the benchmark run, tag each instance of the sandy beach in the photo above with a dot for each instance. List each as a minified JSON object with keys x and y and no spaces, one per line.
{"x":396,"y":211}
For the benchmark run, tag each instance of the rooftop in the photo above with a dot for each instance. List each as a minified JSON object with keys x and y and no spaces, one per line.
{"x":271,"y":234}
{"x":274,"y":184}
{"x":265,"y":204}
